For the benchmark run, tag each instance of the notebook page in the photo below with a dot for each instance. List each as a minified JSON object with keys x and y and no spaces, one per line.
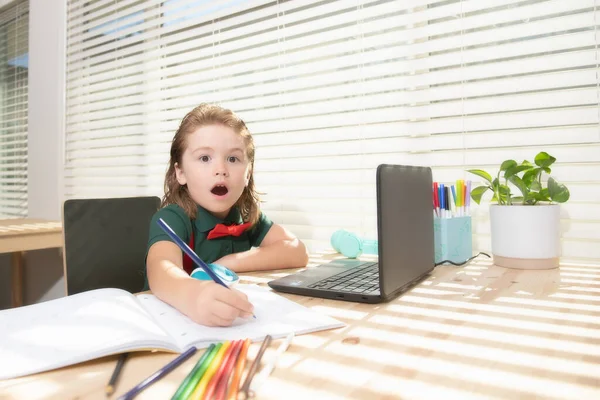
{"x":275,"y":316}
{"x":73,"y":329}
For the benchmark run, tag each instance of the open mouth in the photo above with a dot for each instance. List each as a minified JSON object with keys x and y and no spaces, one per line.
{"x":219,"y":190}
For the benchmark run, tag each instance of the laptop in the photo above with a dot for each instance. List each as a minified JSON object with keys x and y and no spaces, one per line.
{"x":405,"y":245}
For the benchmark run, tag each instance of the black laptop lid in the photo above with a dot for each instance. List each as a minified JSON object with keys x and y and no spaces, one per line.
{"x":405,"y":225}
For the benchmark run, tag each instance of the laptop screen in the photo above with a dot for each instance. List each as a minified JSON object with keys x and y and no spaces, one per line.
{"x":404,"y":225}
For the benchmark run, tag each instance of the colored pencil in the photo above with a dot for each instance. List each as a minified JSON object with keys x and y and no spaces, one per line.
{"x":239,"y":371}
{"x":223,"y":381}
{"x":266,"y":371}
{"x":191,"y":385}
{"x":110,"y":387}
{"x":243,"y":393}
{"x":220,"y":373}
{"x":193,"y":372}
{"x":159,"y":374}
{"x":198,"y":392}
{"x":187,"y":250}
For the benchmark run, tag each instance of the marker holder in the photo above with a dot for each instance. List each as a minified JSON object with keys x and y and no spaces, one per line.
{"x":453,"y":239}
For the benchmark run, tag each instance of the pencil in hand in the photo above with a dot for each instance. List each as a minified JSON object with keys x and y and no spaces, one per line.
{"x":110,"y":387}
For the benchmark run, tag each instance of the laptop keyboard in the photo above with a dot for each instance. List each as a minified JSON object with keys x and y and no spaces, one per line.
{"x":362,"y":279}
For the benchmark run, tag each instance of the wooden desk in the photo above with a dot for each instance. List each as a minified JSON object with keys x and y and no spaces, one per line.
{"x":475,"y":332}
{"x":20,"y":235}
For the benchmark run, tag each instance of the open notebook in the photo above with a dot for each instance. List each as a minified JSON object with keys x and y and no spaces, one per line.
{"x":100,"y":322}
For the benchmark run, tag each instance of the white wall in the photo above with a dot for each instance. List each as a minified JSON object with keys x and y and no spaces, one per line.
{"x":46,"y":106}
{"x":47,"y":36}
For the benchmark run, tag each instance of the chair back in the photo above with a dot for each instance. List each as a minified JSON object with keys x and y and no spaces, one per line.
{"x":105,"y":242}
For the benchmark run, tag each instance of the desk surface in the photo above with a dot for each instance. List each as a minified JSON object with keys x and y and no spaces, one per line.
{"x":29,"y":234}
{"x":474,"y":332}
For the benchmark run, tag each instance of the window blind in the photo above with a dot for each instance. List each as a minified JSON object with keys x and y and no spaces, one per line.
{"x":14,"y":37}
{"x":331,"y":89}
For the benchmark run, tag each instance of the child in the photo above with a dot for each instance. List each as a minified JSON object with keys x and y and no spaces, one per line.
{"x":210,"y":181}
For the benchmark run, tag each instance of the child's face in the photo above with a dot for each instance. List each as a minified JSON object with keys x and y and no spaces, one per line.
{"x":215,"y":168}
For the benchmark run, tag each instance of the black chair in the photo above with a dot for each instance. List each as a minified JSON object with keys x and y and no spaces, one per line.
{"x":105,"y":242}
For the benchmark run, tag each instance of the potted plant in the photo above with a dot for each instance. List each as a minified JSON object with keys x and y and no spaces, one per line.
{"x":525,"y":224}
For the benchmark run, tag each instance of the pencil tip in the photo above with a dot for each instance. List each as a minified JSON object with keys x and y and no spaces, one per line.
{"x":109,"y":390}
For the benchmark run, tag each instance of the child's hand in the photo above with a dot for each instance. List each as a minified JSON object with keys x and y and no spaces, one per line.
{"x":213,"y":305}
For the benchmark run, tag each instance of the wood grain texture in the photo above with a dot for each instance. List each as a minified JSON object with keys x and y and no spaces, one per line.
{"x":473,"y":332}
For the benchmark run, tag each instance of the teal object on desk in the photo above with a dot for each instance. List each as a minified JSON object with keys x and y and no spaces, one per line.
{"x":350,"y":245}
{"x":228,"y":277}
{"x":453,"y":239}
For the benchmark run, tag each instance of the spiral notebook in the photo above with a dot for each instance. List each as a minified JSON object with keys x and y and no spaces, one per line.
{"x":101,"y":322}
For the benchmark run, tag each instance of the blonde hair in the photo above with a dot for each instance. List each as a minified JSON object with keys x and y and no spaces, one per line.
{"x":203,"y":115}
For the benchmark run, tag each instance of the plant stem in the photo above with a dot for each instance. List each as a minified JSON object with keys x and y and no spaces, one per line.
{"x":498,"y":189}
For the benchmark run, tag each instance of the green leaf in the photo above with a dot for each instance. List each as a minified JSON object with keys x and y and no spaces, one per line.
{"x":557,"y":191}
{"x":544,"y":159}
{"x":525,"y":162}
{"x":542,"y":195}
{"x":531,"y":175}
{"x":478,"y":192}
{"x":536,"y":186}
{"x":518,"y":182}
{"x":518,"y":199}
{"x":530,"y":201}
{"x":503,"y":189}
{"x":515,"y":170}
{"x":482,"y":174}
{"x":503,"y":199}
{"x":508,"y":164}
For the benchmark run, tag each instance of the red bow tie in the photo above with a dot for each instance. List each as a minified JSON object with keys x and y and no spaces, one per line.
{"x":221,"y":230}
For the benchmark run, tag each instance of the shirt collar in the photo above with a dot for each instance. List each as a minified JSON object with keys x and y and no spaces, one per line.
{"x":205,"y":221}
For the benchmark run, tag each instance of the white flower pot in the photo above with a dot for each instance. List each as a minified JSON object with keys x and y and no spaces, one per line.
{"x":526,"y":237}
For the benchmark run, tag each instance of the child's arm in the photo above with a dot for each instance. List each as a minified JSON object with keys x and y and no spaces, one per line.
{"x":279,"y":249}
{"x":205,"y":302}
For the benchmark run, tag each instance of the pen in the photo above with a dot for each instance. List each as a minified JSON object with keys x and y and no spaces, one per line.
{"x":159,"y":374}
{"x":191,"y":253}
{"x":454,"y":201}
{"x":468,"y":198}
{"x":441,"y":199}
{"x":436,"y":200}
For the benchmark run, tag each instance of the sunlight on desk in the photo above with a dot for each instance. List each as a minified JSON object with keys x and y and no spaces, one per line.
{"x":253,"y":279}
{"x":474,"y":332}
{"x":38,"y":389}
{"x":284,"y":389}
{"x":568,"y":296}
{"x":341,"y":314}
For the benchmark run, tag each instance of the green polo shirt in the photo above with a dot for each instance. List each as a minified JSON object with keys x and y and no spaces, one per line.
{"x":208,"y":250}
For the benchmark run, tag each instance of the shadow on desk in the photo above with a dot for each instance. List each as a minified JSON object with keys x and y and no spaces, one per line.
{"x":478,"y":331}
